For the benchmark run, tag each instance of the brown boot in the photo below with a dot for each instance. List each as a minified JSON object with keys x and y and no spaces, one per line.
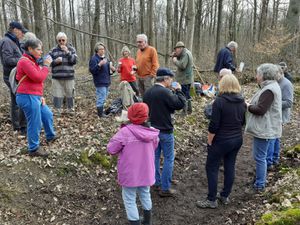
{"x":39,"y":153}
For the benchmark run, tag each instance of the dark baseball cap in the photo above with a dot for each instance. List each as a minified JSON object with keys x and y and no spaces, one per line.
{"x":164,"y":72}
{"x":18,"y":26}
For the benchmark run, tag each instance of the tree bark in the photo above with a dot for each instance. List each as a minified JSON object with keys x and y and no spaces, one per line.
{"x":197,"y":29}
{"x":263,"y":19}
{"x":150,"y":22}
{"x":219,"y":24}
{"x":176,"y":23}
{"x":38,"y":18}
{"x":292,"y":17}
{"x":168,"y":34}
{"x":254,"y":21}
{"x":142,"y":15}
{"x":95,"y":26}
{"x":57,"y":16}
{"x":4,"y":15}
{"x":190,"y":23}
{"x":24,"y":14}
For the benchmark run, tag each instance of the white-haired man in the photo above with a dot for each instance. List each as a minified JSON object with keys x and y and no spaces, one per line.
{"x":146,"y":62}
{"x":63,"y":84}
{"x":225,"y":57}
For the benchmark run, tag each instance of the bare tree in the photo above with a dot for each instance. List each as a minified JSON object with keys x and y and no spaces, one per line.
{"x":219,"y":24}
{"x":292,"y":18}
{"x":95,"y":29}
{"x":142,"y":15}
{"x":4,"y":14}
{"x":24,"y":14}
{"x":38,"y":18}
{"x":263,"y":18}
{"x":168,"y":34}
{"x":190,"y":21}
{"x":150,"y":6}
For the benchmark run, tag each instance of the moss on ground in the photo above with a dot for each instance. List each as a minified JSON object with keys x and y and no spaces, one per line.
{"x":293,"y":152}
{"x":95,"y":159}
{"x":289,"y":216}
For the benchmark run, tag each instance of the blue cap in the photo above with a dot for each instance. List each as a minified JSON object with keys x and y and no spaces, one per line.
{"x":164,"y":72}
{"x":17,"y":25}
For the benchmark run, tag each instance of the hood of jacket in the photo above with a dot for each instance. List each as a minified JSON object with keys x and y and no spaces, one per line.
{"x":143,"y":133}
{"x":237,"y":98}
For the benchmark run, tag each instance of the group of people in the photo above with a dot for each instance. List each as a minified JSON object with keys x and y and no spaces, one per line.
{"x":149,"y":131}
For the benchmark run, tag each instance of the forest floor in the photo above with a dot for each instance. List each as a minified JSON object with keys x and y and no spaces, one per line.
{"x":77,"y":183}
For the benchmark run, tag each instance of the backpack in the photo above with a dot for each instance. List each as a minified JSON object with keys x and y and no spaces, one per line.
{"x":14,"y":84}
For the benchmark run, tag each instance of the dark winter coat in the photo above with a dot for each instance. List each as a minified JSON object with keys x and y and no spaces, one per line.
{"x":101,"y":75}
{"x":224,"y":60}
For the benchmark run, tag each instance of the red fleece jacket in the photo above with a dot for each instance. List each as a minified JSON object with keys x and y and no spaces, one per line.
{"x":33,"y":83}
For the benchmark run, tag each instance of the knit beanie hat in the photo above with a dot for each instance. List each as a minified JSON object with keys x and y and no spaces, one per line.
{"x":124,"y":49}
{"x":138,"y":113}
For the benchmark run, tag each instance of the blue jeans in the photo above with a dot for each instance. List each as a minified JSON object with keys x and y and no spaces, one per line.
{"x":260,"y":149}
{"x":166,"y":145}
{"x":226,"y":150}
{"x":186,"y":90}
{"x":129,"y":198}
{"x":36,"y":115}
{"x":273,"y":152}
{"x":101,"y":95}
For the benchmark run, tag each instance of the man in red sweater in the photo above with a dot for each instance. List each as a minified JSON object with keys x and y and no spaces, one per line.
{"x":147,"y":63}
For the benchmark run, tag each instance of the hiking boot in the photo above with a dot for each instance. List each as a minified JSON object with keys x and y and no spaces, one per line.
{"x":270,"y":168}
{"x":167,"y":193}
{"x":70,"y":111}
{"x":147,"y":220}
{"x":137,"y":222}
{"x":38,"y":153}
{"x":223,"y":200}
{"x":49,"y":141}
{"x":57,"y":112}
{"x":189,"y":106}
{"x":100,"y":112}
{"x":207,"y":204}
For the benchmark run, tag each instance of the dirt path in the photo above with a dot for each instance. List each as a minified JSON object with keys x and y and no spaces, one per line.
{"x":61,"y":190}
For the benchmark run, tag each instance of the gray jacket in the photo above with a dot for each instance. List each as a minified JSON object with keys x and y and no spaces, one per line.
{"x":267,"y":126}
{"x":287,"y":92}
{"x":10,"y":54}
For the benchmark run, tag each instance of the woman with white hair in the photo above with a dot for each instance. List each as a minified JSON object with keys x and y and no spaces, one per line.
{"x":127,"y":69}
{"x":264,"y":119}
{"x":63,"y":84}
{"x":287,"y":95}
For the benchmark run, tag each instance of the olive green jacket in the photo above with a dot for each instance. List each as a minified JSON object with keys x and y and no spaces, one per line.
{"x":184,"y":64}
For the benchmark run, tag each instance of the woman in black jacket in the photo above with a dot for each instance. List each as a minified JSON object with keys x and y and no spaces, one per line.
{"x":225,"y":139}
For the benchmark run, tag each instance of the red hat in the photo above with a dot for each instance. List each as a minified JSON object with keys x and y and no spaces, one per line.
{"x":138,"y":113}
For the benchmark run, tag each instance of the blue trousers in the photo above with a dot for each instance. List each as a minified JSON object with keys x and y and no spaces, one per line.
{"x":36,"y":115}
{"x":101,"y":95}
{"x":260,"y":150}
{"x":273,"y":152}
{"x":186,"y":90}
{"x":129,"y":199}
{"x":226,"y":150}
{"x":166,"y":145}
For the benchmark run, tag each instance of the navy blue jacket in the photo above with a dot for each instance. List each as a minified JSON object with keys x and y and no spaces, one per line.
{"x":224,"y":60}
{"x":10,"y":52}
{"x":228,"y":117}
{"x":101,"y":75}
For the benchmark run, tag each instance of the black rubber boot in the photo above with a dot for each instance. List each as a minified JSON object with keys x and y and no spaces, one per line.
{"x":137,"y":222}
{"x":100,"y":112}
{"x":189,"y":106}
{"x":147,"y":217}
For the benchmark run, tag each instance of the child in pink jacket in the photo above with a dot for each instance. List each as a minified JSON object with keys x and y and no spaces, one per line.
{"x":135,"y":144}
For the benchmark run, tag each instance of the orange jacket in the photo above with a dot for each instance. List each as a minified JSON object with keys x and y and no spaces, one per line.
{"x":147,"y":62}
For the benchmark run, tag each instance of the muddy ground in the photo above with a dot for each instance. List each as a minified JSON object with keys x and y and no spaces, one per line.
{"x":65,"y":189}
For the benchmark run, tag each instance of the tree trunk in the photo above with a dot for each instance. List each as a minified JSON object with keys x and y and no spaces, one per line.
{"x":57,"y":16}
{"x":197,"y":30}
{"x":15,"y":9}
{"x":292,"y":17}
{"x":168,"y":34}
{"x":263,"y":19}
{"x":150,"y":22}
{"x":176,"y":24}
{"x":254,"y":21}
{"x":38,"y":18}
{"x":4,"y":15}
{"x":24,"y":14}
{"x":142,"y":15}
{"x":179,"y":37}
{"x":95,"y":26}
{"x":190,"y":23}
{"x":219,"y":24}
{"x":47,"y":46}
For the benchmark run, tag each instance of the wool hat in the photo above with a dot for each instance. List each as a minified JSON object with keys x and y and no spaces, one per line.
{"x":125,"y":49}
{"x":138,"y":113}
{"x":18,"y":26}
{"x":164,"y":72}
{"x":179,"y":44}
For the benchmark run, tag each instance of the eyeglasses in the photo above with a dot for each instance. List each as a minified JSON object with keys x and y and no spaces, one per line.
{"x":139,"y":42}
{"x":61,"y":40}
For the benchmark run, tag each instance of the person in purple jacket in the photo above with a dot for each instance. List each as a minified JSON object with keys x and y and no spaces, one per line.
{"x":135,"y":144}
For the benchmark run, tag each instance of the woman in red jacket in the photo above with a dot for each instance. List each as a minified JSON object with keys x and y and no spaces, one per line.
{"x":29,"y":96}
{"x":127,"y":69}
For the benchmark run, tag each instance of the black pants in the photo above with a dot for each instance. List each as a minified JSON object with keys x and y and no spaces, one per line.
{"x":185,"y":88}
{"x":226,"y":150}
{"x":18,"y":119}
{"x":134,"y":87}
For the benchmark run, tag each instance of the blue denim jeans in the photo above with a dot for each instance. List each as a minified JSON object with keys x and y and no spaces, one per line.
{"x":166,"y":145}
{"x":273,"y":152}
{"x":260,"y":150}
{"x":186,"y":90}
{"x":226,"y":150}
{"x":36,"y":115}
{"x":129,"y":199}
{"x":101,"y":95}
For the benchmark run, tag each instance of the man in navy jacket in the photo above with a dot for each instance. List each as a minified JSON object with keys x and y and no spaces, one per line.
{"x":225,"y":57}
